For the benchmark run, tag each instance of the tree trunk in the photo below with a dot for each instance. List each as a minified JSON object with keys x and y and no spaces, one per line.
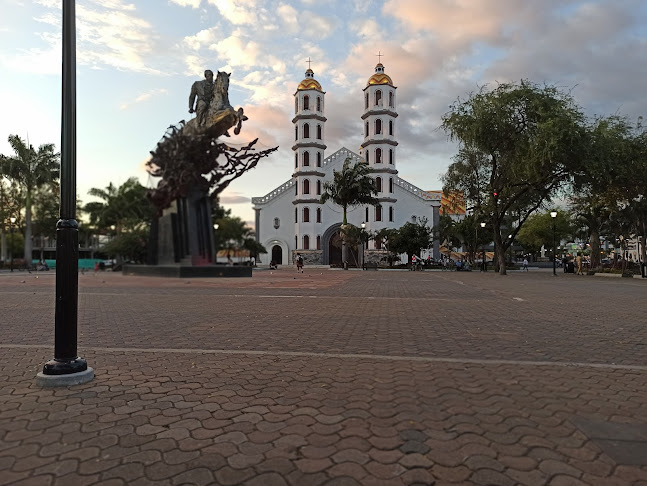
{"x":3,"y":246}
{"x":499,"y":250}
{"x":28,"y":243}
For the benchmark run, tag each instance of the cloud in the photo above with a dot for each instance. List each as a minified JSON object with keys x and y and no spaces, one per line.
{"x":144,"y":97}
{"x":231,"y":197}
{"x":238,"y":12}
{"x":187,"y":3}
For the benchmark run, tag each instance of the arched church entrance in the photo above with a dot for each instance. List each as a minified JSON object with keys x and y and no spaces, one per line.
{"x":331,"y":244}
{"x":277,"y":254}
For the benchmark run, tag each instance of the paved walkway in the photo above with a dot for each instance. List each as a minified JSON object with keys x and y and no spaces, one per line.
{"x":330,"y":378}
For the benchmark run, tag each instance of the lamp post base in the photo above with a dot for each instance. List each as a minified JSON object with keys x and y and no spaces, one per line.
{"x":69,"y":379}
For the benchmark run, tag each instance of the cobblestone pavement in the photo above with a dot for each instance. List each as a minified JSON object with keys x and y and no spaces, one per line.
{"x":330,"y":377}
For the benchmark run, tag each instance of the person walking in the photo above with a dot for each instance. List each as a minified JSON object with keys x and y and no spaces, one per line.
{"x":578,"y":264}
{"x":525,"y":264}
{"x":299,"y":263}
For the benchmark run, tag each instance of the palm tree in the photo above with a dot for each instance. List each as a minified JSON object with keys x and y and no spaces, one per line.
{"x":352,"y":186}
{"x":30,"y":169}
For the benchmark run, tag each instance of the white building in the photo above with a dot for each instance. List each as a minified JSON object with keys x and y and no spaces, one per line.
{"x":290,"y":218}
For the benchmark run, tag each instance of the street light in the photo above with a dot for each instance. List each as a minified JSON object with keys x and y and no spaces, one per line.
{"x":553,"y":214}
{"x":483,"y":264}
{"x":215,"y":243}
{"x":13,"y":221}
{"x":363,"y":247}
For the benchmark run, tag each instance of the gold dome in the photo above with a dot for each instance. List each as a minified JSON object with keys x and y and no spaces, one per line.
{"x":379,"y":78}
{"x":309,"y":82}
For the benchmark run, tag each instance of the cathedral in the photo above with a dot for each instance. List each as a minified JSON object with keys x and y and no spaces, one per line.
{"x":290,"y":219}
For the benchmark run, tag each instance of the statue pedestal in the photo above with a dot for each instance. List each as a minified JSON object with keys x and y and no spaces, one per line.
{"x":184,"y":232}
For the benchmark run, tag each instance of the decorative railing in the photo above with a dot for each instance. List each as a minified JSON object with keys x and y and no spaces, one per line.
{"x":275,"y":193}
{"x":416,"y":190}
{"x":342,"y":154}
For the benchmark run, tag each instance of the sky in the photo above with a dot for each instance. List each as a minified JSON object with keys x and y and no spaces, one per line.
{"x":137,"y":59}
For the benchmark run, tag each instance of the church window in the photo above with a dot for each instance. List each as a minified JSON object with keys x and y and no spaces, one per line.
{"x":306,"y":215}
{"x":319,"y":132}
{"x":390,"y":127}
{"x":296,"y":133}
{"x":318,"y":103}
{"x":366,"y":214}
{"x":378,"y":156}
{"x":296,"y":189}
{"x":306,"y":130}
{"x":306,"y":102}
{"x":378,"y":213}
{"x":306,"y":159}
{"x":296,"y":241}
{"x":378,"y":126}
{"x":378,"y":184}
{"x":306,"y":186}
{"x":296,"y":215}
{"x":318,"y":217}
{"x":378,"y":244}
{"x":318,"y":242}
{"x":296,"y":161}
{"x":391,"y":184}
{"x":306,"y":242}
{"x":366,"y":130}
{"x":318,"y":159}
{"x":390,"y":156}
{"x":296,"y":105}
{"x":368,"y":153}
{"x":378,"y":97}
{"x":391,"y":99}
{"x":366,"y":101}
{"x":318,"y":187}
{"x":391,"y":213}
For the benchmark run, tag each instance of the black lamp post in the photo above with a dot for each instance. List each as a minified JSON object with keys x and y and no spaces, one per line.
{"x":215,"y":242}
{"x":553,"y":215}
{"x":13,"y":221}
{"x":483,"y":263}
{"x":67,"y":368}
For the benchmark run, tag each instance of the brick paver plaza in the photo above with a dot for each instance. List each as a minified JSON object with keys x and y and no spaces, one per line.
{"x":330,"y":378}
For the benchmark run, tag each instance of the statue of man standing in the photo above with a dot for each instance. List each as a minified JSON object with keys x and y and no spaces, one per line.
{"x":203,"y":91}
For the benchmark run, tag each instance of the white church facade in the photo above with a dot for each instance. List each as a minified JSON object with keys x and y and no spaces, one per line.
{"x":290,"y":219}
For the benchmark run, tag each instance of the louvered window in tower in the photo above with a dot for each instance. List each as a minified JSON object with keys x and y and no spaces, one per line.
{"x":306,"y":130}
{"x":378,"y":97}
{"x":378,"y":126}
{"x":306,"y":102}
{"x":378,"y":156}
{"x":319,"y":132}
{"x":306,"y":159}
{"x":318,"y":103}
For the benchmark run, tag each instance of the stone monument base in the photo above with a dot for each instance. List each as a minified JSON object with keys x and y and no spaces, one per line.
{"x":188,"y":271}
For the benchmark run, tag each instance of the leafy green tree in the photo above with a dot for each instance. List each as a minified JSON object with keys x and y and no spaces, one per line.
{"x":231,"y":234}
{"x":538,"y":231}
{"x":9,"y":207}
{"x":46,"y":206}
{"x":350,"y":187}
{"x":125,"y":207}
{"x":519,"y":144}
{"x":412,"y":238}
{"x":254,"y":248}
{"x":30,"y":169}
{"x":131,"y":246}
{"x":388,"y":238}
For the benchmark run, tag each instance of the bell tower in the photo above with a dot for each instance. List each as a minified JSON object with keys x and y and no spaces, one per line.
{"x":308,"y":148}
